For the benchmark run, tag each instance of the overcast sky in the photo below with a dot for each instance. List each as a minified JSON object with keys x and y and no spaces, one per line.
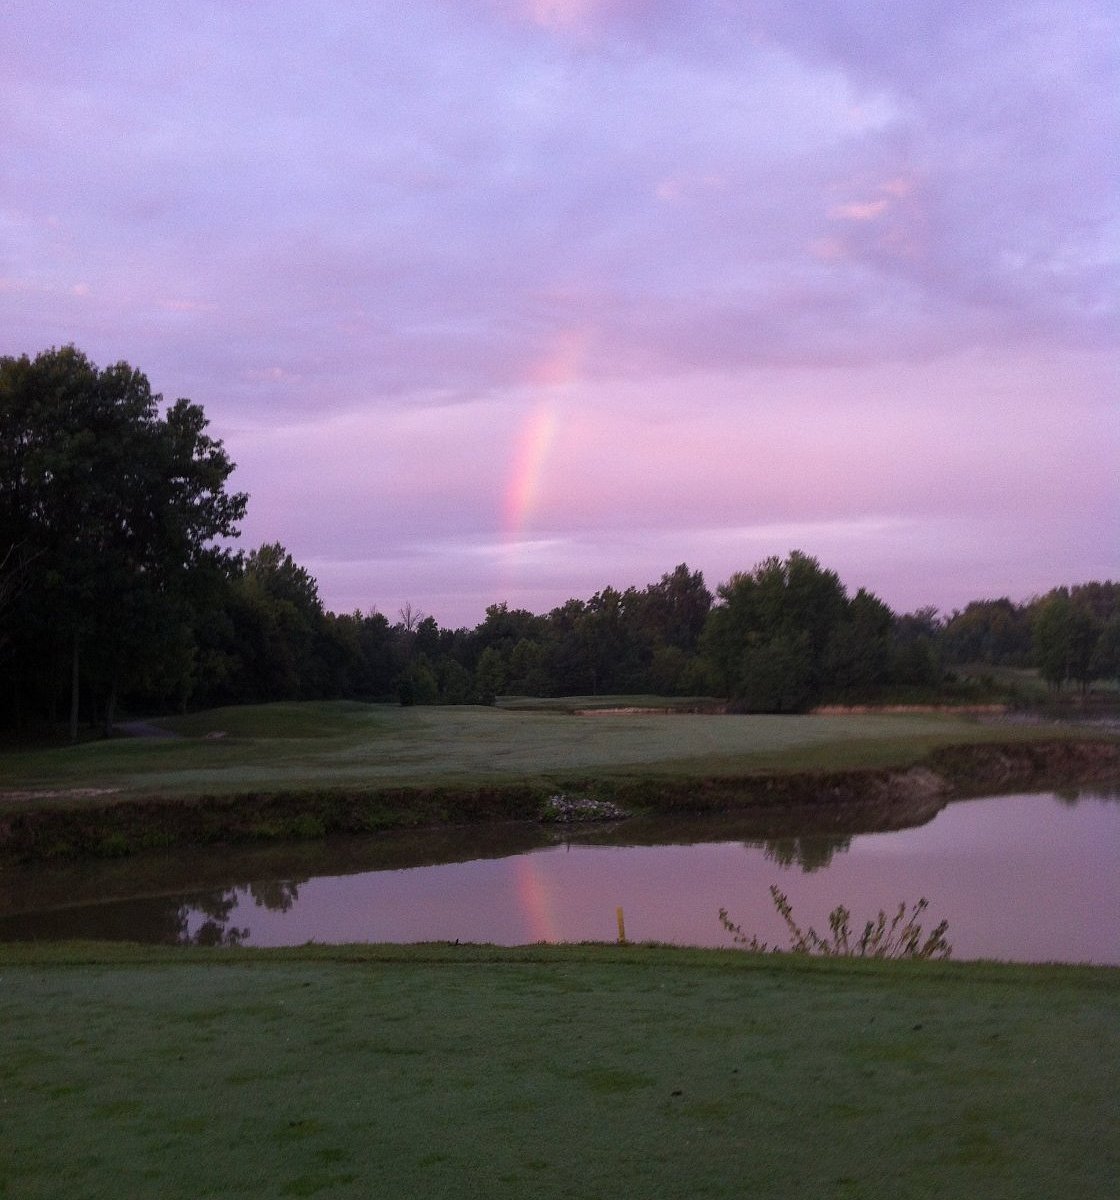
{"x":515,"y":299}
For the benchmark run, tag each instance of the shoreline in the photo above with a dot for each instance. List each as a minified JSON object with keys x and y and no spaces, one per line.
{"x":121,"y":826}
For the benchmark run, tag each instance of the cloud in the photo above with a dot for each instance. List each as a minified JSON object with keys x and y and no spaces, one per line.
{"x":867,"y":210}
{"x":766,"y":266}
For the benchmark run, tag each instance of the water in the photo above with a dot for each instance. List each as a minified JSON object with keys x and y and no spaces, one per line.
{"x":1024,"y":877}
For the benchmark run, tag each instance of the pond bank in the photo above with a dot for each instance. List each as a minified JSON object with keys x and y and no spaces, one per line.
{"x":115,"y":825}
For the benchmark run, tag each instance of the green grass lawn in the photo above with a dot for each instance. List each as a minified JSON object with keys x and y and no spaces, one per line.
{"x":551,"y":1071}
{"x":280,"y":746}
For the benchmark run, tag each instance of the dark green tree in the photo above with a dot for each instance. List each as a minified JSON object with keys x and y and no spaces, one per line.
{"x":1105,"y":662}
{"x":491,"y":674}
{"x":282,"y":627}
{"x":114,"y":514}
{"x":916,"y":648}
{"x":858,"y":654}
{"x":767,"y":639}
{"x":1065,"y":638}
{"x":995,"y":632}
{"x":569,"y":654}
{"x":674,"y":610}
{"x":527,"y":674}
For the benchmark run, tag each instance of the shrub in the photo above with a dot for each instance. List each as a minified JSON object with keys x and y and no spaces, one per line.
{"x":901,"y":938}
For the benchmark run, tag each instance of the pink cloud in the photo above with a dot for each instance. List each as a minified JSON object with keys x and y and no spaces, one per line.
{"x":760,"y":272}
{"x":570,"y":16}
{"x":865,"y":210}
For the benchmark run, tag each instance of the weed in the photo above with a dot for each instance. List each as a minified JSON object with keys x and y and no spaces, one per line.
{"x":901,"y":938}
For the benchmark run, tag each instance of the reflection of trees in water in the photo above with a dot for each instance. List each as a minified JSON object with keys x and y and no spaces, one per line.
{"x":809,"y":853}
{"x":192,"y":918}
{"x":217,"y":908}
{"x":1071,"y":796}
{"x":277,"y":895}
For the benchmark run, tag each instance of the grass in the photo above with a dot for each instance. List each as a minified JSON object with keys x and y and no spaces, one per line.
{"x":277,"y":747}
{"x":574,"y":704}
{"x":550,"y":1072}
{"x":1024,"y":682}
{"x":1025,"y":685}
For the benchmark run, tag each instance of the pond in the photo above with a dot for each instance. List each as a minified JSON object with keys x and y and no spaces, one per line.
{"x":1033,"y":877}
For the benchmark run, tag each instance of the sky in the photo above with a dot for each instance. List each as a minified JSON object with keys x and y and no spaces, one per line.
{"x":512,"y":300}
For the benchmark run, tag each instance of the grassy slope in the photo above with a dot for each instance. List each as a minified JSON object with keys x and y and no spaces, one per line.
{"x":279,"y":746}
{"x":550,"y":1071}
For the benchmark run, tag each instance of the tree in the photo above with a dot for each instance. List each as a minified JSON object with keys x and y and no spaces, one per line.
{"x":1052,"y":633}
{"x":776,"y":675}
{"x":1051,"y":640}
{"x":857,"y":657}
{"x":527,"y":675}
{"x":1100,"y":600}
{"x":417,"y":683}
{"x":278,"y":629}
{"x":989,"y":631}
{"x":569,"y":662}
{"x":1106,"y":653}
{"x":767,"y":639}
{"x":454,"y":682}
{"x":915,"y":648}
{"x":114,"y":512}
{"x":504,"y":627}
{"x":675,"y":609}
{"x":273,"y":570}
{"x":490,"y":675}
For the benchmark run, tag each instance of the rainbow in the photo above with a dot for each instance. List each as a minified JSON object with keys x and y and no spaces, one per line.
{"x":550,"y":377}
{"x":523,"y":491}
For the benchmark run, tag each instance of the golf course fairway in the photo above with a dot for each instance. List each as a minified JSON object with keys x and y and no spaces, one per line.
{"x":581,"y":1071}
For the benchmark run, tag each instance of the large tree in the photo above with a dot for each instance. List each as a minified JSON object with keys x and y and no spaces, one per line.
{"x":112,"y":510}
{"x":674,"y":610}
{"x":767,"y":639}
{"x":990,"y":631}
{"x":1065,"y":638}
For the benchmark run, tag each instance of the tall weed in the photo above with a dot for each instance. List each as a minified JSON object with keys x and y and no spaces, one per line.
{"x":901,"y":937}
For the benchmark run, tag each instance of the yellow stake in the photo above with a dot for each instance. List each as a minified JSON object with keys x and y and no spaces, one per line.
{"x":621,"y":926}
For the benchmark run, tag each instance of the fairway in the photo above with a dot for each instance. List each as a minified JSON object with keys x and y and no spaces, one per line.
{"x":552,"y":1071}
{"x":339,"y":744}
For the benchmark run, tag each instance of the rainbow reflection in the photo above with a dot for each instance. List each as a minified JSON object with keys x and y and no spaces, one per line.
{"x":534,"y":898}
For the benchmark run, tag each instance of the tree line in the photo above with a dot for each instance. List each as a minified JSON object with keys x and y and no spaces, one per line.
{"x":118,"y":588}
